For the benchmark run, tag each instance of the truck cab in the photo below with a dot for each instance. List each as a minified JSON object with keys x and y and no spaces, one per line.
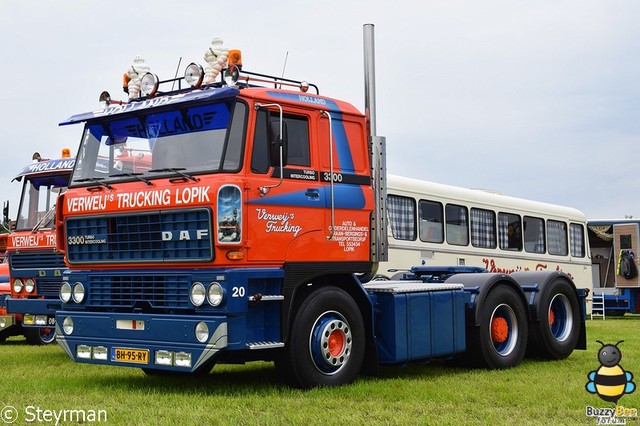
{"x":35,"y":266}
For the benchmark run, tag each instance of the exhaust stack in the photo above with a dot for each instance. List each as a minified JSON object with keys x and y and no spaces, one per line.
{"x":377,"y":149}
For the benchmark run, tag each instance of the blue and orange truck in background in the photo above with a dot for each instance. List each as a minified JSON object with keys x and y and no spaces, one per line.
{"x":34,"y":265}
{"x":241,"y":217}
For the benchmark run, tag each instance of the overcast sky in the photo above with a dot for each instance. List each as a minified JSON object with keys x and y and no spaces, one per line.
{"x":533,"y":99}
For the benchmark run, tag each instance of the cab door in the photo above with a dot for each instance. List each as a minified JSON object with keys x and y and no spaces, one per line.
{"x":285,"y":214}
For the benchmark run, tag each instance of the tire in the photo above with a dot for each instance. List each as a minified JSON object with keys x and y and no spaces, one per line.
{"x":47,"y":335}
{"x":40,"y":336}
{"x":326,"y":343}
{"x":555,"y":336}
{"x":501,"y":339}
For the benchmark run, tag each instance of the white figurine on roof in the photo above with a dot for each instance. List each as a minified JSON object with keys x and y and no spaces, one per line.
{"x":216,"y":57}
{"x":135,"y":73}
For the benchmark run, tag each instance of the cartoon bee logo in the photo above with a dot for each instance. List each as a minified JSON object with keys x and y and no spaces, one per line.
{"x":610,"y":381}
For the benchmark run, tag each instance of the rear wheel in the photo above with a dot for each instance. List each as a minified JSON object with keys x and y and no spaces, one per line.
{"x":501,"y":339}
{"x":557,"y":333}
{"x":326,"y":344}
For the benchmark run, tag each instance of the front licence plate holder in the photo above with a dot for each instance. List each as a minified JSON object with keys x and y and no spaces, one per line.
{"x":130,"y":355}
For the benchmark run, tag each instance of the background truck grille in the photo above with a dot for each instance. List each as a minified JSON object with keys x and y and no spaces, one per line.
{"x":159,"y":291}
{"x":160,"y":236}
{"x":36,"y":260}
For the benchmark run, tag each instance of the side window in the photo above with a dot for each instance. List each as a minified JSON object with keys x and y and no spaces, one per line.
{"x":576,"y":233}
{"x":298,"y":151}
{"x":298,"y":134}
{"x":557,"y":237}
{"x":457,"y":226}
{"x":509,"y":231}
{"x":402,"y":217}
{"x":533,"y":234}
{"x":260,"y":155}
{"x":483,"y":228}
{"x":431,"y":223}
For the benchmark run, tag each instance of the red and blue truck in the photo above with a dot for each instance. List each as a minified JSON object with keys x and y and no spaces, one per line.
{"x":248,"y":227}
{"x":35,"y":266}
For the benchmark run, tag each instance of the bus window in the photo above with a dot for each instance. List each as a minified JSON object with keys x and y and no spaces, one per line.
{"x":509,"y":231}
{"x":557,"y":237}
{"x":431,"y":228}
{"x":483,"y":228}
{"x":457,"y":227}
{"x":402,"y":217}
{"x":576,"y":233}
{"x":534,"y":234}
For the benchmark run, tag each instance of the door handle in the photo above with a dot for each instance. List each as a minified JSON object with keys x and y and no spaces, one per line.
{"x":312,"y":193}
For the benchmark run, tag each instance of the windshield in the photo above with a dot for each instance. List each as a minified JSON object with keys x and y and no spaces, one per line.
{"x":192,"y":140}
{"x":36,"y":204}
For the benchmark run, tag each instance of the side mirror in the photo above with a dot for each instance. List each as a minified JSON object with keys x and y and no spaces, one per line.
{"x":5,"y":213}
{"x":278,"y":142}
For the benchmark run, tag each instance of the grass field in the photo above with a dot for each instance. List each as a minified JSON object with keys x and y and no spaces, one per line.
{"x":537,"y":392}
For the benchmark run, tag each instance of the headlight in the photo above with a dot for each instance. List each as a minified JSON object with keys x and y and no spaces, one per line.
{"x":215,"y":294}
{"x":78,"y":292}
{"x":17,"y":285}
{"x":65,"y":292}
{"x":193,"y":75}
{"x":198,"y":294}
{"x":29,"y":285}
{"x":67,"y":325}
{"x":149,"y":84}
{"x":202,"y":332}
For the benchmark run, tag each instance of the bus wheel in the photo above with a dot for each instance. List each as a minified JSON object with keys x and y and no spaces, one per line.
{"x":326,"y":344}
{"x":40,"y":336}
{"x":501,"y":339}
{"x":555,"y":336}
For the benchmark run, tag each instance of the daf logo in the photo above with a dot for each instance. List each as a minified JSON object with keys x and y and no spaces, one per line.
{"x":185,"y":234}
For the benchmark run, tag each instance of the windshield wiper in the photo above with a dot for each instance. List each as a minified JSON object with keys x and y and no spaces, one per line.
{"x":97,"y":180}
{"x":176,"y":170}
{"x":45,"y":219}
{"x":135,"y":175}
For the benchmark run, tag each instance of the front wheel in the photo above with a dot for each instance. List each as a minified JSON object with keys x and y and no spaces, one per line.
{"x":501,"y":339}
{"x":40,"y":336}
{"x":326,"y":344}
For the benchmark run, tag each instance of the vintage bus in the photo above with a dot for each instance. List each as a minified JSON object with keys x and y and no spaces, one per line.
{"x":433,"y":224}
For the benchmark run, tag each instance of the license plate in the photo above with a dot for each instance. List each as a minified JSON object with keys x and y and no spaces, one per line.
{"x":136,"y":356}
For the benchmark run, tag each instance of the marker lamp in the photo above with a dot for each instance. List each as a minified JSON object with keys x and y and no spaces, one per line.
{"x":149,"y":84}
{"x":193,"y":75}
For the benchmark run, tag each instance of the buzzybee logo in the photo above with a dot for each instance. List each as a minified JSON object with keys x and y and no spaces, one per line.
{"x":610,"y":381}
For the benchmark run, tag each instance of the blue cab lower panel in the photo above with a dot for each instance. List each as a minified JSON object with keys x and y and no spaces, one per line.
{"x":149,"y":341}
{"x":417,"y":321}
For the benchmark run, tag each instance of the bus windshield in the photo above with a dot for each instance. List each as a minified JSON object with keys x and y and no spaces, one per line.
{"x":190,"y":140}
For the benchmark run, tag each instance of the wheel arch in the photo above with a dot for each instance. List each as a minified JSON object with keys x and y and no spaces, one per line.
{"x":296,"y":290}
{"x":480,"y":285}
{"x":538,"y":284}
